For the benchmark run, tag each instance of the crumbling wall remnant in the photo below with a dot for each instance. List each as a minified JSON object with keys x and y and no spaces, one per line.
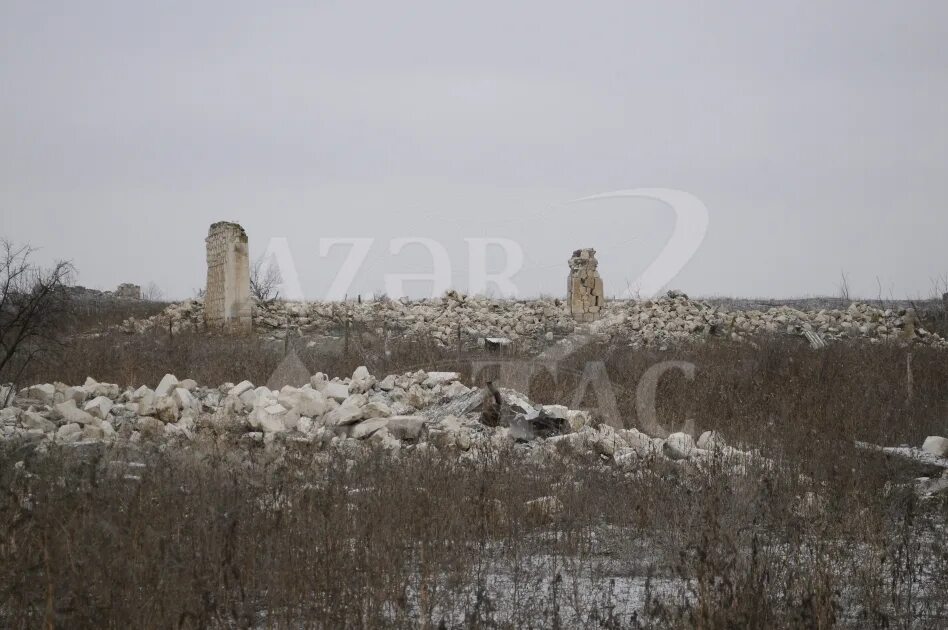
{"x":584,"y":295}
{"x":227,"y":303}
{"x":129,"y":291}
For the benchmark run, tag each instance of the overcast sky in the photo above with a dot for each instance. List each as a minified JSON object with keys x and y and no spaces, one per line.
{"x":814,"y":132}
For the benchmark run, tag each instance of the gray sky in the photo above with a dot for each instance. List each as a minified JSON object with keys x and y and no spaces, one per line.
{"x":814,"y":132}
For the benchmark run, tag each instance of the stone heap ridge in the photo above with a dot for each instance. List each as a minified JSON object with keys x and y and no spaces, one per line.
{"x":418,"y":411}
{"x":665,"y":321}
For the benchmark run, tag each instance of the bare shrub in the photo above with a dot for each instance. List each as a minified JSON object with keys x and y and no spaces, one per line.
{"x":265,"y":279}
{"x":153,"y":293}
{"x":33,"y":308}
{"x":842,"y":288}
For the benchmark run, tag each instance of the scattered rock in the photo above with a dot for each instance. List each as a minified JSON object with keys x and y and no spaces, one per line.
{"x":166,"y":409}
{"x":361,"y":381}
{"x":167,"y":385}
{"x":269,"y":418}
{"x":70,"y":432}
{"x":32,"y":421}
{"x":335,"y":390}
{"x":406,"y":427}
{"x":239,"y":389}
{"x":710,"y":440}
{"x":368,"y":427}
{"x":71,"y":414}
{"x":150,"y":427}
{"x":678,"y":446}
{"x":99,"y":407}
{"x":433,"y":379}
{"x":936,"y":445}
{"x":45,"y":393}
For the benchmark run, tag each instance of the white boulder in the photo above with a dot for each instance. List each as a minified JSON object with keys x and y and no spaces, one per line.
{"x":166,"y":409}
{"x":186,"y":401}
{"x":577,"y":419}
{"x":936,"y":445}
{"x":72,"y":414}
{"x":269,"y":418}
{"x":70,"y":432}
{"x":406,"y":427}
{"x":45,"y":393}
{"x":367,"y":427}
{"x":99,"y":407}
{"x":240,"y":388}
{"x":678,"y":446}
{"x":440,"y":378}
{"x":141,"y":392}
{"x":361,"y":381}
{"x":376,"y":409}
{"x":336,"y":390}
{"x":167,"y":385}
{"x":710,"y":441}
{"x":31,"y":421}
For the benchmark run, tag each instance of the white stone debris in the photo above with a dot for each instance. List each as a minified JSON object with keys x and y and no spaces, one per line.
{"x":99,"y":407}
{"x":416,"y":410}
{"x":498,"y":323}
{"x":679,"y":446}
{"x":936,"y":445}
{"x":933,"y":453}
{"x":920,"y":455}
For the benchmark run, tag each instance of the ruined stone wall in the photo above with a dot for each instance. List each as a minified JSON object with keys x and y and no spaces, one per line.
{"x":227,"y":303}
{"x":584,"y":295}
{"x":128,"y":290}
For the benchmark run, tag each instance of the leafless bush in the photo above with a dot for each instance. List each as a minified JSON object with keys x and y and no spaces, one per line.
{"x":265,"y":279}
{"x":153,"y":293}
{"x":843,"y":288}
{"x":33,"y":308}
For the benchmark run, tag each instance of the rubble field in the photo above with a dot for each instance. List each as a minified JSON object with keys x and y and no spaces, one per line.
{"x":421,"y":498}
{"x":673,"y":318}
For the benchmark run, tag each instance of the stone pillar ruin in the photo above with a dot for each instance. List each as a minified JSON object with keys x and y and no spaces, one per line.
{"x":227,"y":303}
{"x":584,"y":295}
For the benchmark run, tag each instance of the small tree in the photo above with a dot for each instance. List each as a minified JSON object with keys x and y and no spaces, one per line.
{"x":265,"y":280}
{"x":843,"y":287}
{"x":153,"y":293}
{"x":34,"y":306}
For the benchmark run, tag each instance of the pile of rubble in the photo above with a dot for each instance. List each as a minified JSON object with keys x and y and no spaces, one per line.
{"x":420,"y":410}
{"x":673,"y":318}
{"x":438,"y":319}
{"x":677,"y":318}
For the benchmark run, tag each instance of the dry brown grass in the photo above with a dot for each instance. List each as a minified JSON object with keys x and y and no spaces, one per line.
{"x":200,"y":541}
{"x":221,"y":535}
